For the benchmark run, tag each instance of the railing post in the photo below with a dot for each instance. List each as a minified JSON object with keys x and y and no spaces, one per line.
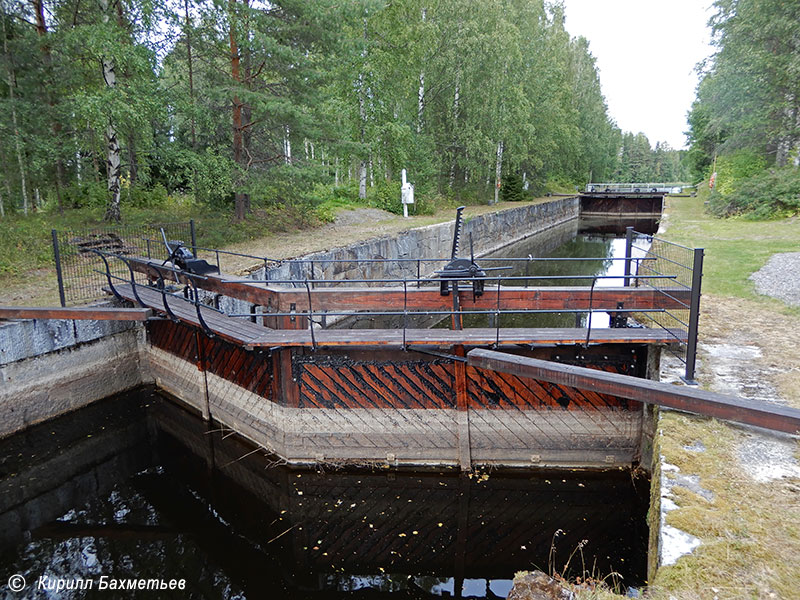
{"x":59,"y":273}
{"x":194,"y":237}
{"x":628,"y":254}
{"x":694,"y":317}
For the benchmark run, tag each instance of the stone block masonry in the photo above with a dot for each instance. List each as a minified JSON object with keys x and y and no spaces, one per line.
{"x":490,"y":232}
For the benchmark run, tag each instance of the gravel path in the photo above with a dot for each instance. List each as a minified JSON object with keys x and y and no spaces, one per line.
{"x":780,"y":278}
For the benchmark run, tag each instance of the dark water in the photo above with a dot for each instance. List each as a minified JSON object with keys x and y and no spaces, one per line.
{"x":136,"y":487}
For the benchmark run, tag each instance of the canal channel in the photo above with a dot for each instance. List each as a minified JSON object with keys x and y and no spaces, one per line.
{"x":136,"y":487}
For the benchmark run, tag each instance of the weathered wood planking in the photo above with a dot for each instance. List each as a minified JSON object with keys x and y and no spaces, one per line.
{"x":90,"y":313}
{"x":392,"y":298}
{"x":369,"y":404}
{"x":249,"y":334}
{"x":730,"y":408}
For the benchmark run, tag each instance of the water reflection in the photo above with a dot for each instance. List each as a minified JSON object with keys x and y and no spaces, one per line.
{"x":137,"y":487}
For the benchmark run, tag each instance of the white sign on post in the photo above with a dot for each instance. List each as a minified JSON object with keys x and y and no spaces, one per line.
{"x":406,"y":194}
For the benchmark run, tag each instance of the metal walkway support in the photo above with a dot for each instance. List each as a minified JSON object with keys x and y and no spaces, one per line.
{"x":729,"y":408}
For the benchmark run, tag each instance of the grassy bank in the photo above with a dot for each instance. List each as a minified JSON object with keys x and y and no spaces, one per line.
{"x":750,"y":530}
{"x":735,"y":248}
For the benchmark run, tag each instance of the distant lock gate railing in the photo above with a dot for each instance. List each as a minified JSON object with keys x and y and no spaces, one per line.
{"x":649,"y":261}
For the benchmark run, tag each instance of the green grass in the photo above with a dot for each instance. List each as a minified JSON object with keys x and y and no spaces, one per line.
{"x":734,"y":248}
{"x":749,"y":530}
{"x":26,"y":243}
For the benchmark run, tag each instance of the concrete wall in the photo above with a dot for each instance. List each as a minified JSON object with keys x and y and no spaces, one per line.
{"x":49,"y":367}
{"x":490,"y":232}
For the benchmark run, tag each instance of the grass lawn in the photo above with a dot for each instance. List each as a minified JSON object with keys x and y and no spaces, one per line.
{"x":734,"y":248}
{"x":750,"y":530}
{"x":27,"y":273}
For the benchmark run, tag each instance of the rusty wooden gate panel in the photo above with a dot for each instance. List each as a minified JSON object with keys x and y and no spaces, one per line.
{"x":493,"y":390}
{"x":249,"y":369}
{"x":336,"y":382}
{"x":175,"y":338}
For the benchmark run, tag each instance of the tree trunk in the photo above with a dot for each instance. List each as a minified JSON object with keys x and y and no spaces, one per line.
{"x":362,"y":180}
{"x":12,"y":82}
{"x":421,"y":91}
{"x":287,"y":145}
{"x":41,"y":30}
{"x":362,"y":113}
{"x":421,"y":101}
{"x":113,"y":171}
{"x":788,"y":142}
{"x":498,"y":171}
{"x":113,"y":160}
{"x":456,"y":98}
{"x":188,"y":35}
{"x":241,"y":199}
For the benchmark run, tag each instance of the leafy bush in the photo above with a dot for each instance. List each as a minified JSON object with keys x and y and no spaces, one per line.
{"x":144,"y":198}
{"x":559,"y":185}
{"x":387,"y":197}
{"x":85,"y":195}
{"x":770,"y":194}
{"x":736,"y":167}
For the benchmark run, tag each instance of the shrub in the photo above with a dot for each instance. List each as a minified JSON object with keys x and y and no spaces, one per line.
{"x":736,"y":167}
{"x":83,"y":195}
{"x":770,"y":194}
{"x":144,"y":198}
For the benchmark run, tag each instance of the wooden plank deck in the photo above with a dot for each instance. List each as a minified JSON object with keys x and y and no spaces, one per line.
{"x":89,"y":313}
{"x":245,"y":333}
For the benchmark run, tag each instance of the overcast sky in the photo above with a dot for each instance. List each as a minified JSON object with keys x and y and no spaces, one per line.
{"x":646,"y":52}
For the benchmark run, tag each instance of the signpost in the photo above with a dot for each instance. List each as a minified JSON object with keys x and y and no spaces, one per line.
{"x":406,"y":194}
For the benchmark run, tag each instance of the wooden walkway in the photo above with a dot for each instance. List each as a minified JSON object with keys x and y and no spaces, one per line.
{"x":245,"y":333}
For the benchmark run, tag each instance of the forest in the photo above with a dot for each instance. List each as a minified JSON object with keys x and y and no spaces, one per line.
{"x":744,"y":126}
{"x":290,"y":105}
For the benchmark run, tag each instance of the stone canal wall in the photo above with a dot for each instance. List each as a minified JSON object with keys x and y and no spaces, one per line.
{"x":50,"y":367}
{"x":490,"y":232}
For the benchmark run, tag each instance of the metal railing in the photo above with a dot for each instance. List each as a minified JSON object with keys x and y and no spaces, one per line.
{"x":651,"y":262}
{"x":193,"y":293}
{"x":657,"y":257}
{"x":77,"y":265}
{"x":636,"y":187}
